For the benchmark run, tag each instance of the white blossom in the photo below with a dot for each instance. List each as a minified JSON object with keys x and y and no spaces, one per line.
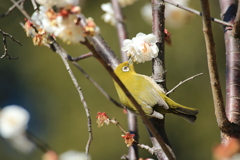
{"x":108,"y":17}
{"x":141,"y":48}
{"x":62,"y":26}
{"x":58,"y":3}
{"x":73,"y":155}
{"x":13,"y":121}
{"x":124,"y":3}
{"x":146,"y":12}
{"x":174,"y":16}
{"x":13,"y":124}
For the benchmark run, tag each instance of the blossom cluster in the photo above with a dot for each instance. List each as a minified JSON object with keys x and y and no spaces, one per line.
{"x":60,"y":19}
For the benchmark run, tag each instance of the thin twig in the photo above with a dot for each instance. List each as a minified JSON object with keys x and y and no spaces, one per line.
{"x":142,"y":146}
{"x":5,"y":35}
{"x":58,"y":49}
{"x":21,"y":9}
{"x":44,"y":147}
{"x":76,"y":59}
{"x":182,"y":82}
{"x":35,"y":7}
{"x":97,"y":86}
{"x":10,"y":9}
{"x":197,"y":13}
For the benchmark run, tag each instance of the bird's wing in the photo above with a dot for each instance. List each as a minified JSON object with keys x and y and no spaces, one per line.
{"x":150,"y":92}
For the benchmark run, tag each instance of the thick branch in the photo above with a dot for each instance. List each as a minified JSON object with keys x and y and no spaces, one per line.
{"x":109,"y":67}
{"x":122,"y":35}
{"x":212,"y":65}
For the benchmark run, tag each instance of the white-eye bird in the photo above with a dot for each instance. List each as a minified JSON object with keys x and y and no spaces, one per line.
{"x":149,"y":95}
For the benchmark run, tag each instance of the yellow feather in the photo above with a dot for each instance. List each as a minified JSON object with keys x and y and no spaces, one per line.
{"x":150,"y":96}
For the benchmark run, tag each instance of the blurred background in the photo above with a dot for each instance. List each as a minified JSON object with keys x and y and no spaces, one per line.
{"x":39,"y":82}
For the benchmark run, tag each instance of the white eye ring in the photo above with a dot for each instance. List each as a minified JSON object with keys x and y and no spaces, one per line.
{"x":125,"y":69}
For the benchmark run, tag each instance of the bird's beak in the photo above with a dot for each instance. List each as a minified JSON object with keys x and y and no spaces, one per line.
{"x":130,"y":60}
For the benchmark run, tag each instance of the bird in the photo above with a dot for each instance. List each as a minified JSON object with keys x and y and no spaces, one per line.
{"x":149,"y":95}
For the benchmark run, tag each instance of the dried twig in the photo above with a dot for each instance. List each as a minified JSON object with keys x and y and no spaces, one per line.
{"x":142,"y":146}
{"x":58,"y":49}
{"x":97,"y":86}
{"x":5,"y":35}
{"x":11,"y":9}
{"x":198,"y":13}
{"x":44,"y":147}
{"x":35,"y":7}
{"x":76,"y":59}
{"x":182,"y":82}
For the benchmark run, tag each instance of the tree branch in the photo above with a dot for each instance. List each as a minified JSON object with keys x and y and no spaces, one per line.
{"x":197,"y":13}
{"x":122,"y":35}
{"x":5,"y":35}
{"x":158,"y":72}
{"x":212,"y":66}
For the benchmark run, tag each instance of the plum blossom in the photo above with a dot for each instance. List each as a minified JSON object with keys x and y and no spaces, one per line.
{"x":61,"y":24}
{"x":13,"y":125}
{"x":124,"y":3}
{"x":141,"y":48}
{"x":146,"y":12}
{"x":57,"y":3}
{"x":102,"y":118}
{"x":175,"y":17}
{"x":73,"y":155}
{"x":128,"y":138}
{"x":108,"y":17}
{"x":13,"y":121}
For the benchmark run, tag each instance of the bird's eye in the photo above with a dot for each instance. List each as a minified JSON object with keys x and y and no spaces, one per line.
{"x":125,"y":69}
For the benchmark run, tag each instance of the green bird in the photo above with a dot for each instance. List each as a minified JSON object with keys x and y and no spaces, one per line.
{"x":149,"y":95}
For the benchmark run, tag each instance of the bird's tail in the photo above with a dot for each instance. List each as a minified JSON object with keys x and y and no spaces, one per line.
{"x":187,"y":113}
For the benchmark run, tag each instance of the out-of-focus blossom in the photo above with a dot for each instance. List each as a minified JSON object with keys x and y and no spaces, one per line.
{"x":108,"y":17}
{"x":13,"y":124}
{"x":229,"y":151}
{"x":174,"y":16}
{"x":50,"y":155}
{"x":124,"y":3}
{"x":74,"y":155}
{"x":13,"y":121}
{"x":102,"y":118}
{"x":57,"y":3}
{"x":128,"y":138}
{"x":146,"y":12}
{"x":141,"y":48}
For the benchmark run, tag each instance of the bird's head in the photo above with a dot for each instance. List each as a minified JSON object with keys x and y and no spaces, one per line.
{"x":125,"y":68}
